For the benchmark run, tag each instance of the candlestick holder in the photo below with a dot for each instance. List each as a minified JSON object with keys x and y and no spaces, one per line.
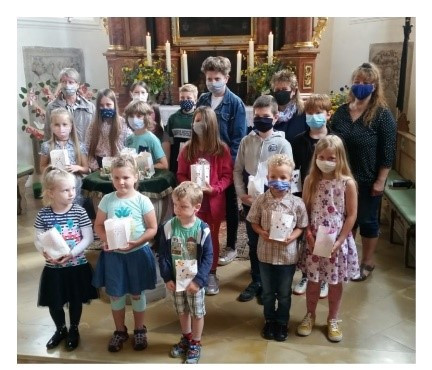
{"x":167,"y":89}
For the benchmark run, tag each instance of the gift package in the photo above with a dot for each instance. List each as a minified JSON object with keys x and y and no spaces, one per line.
{"x":60,"y":158}
{"x":186,"y":270}
{"x":200,"y":172}
{"x":145,"y":165}
{"x":281,"y":226}
{"x":118,"y":232}
{"x":106,"y":166}
{"x":296,"y":185}
{"x":324,"y":241}
{"x":54,"y":244}
{"x":256,"y":183}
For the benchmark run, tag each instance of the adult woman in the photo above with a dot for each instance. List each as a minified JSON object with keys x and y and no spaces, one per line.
{"x":291,"y":119}
{"x":369,"y":131}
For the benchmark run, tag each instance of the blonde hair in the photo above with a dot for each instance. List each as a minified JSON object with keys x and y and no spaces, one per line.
{"x":342,"y":169}
{"x":285,"y":75}
{"x":189,"y":190}
{"x":72,"y":136}
{"x":281,"y":159}
{"x":126,"y":160}
{"x":50,"y":177}
{"x":190,"y":88}
{"x":212,"y":143}
{"x":317,"y":102}
{"x":138,"y":107}
{"x":266,"y":101}
{"x":369,"y":72}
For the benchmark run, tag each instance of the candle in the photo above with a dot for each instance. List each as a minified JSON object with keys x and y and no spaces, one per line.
{"x":185,"y":67}
{"x":270,"y":48}
{"x":239,"y":58}
{"x":168,"y":56}
{"x":251,"y":54}
{"x":148,"y":47}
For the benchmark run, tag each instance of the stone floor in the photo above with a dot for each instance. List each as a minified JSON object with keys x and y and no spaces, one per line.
{"x":378,"y":319}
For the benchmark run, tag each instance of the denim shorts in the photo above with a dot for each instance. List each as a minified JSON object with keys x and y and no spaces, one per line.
{"x":367,"y":211}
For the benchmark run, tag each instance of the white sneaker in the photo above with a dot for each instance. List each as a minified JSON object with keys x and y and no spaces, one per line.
{"x":227,"y":257}
{"x":301,"y":286}
{"x":324,"y":289}
{"x":212,"y":287}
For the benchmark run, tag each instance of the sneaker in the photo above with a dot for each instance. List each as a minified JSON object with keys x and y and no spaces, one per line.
{"x":193,"y":354}
{"x":228,"y":256}
{"x":58,"y":336}
{"x":281,"y":332}
{"x":301,"y":286}
{"x":212,"y":287}
{"x":116,"y":342}
{"x":180,"y":349}
{"x":252,"y":290}
{"x":72,"y":338}
{"x":268,"y":330}
{"x":140,"y":339}
{"x":324,"y":289}
{"x":305,"y":327}
{"x":333,"y":331}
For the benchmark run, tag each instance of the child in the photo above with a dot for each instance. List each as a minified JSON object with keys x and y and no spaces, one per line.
{"x":64,"y":136}
{"x":132,"y":269}
{"x":186,"y":237}
{"x":66,"y":279}
{"x":138,"y":116}
{"x":179,"y":126}
{"x":139,"y":91}
{"x":317,"y":109}
{"x":277,"y":259}
{"x":330,"y":196}
{"x":206,"y":143}
{"x":107,"y":134}
{"x":231,"y":115}
{"x":156,"y":127}
{"x":258,"y":146}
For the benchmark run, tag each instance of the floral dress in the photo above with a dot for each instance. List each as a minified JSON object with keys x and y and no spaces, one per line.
{"x":328,"y":209}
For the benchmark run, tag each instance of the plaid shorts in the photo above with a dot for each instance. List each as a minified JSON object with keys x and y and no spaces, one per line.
{"x":192,"y":303}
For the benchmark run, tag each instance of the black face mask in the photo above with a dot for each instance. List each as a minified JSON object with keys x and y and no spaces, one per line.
{"x":263,"y":124}
{"x":282,"y":97}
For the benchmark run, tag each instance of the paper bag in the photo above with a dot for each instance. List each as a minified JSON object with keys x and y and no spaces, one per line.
{"x":54,"y":244}
{"x":324,"y":241}
{"x":145,"y":165}
{"x":106,"y":165}
{"x":255,"y":186}
{"x":118,"y":232}
{"x":200,"y":172}
{"x":281,"y":226}
{"x":186,"y":270}
{"x":60,"y":158}
{"x":296,"y":185}
{"x":129,"y":151}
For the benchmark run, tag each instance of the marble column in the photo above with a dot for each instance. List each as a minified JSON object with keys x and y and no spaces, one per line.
{"x":137,"y":33}
{"x":116,"y":33}
{"x":298,"y":32}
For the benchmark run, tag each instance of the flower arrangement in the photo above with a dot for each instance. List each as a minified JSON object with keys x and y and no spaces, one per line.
{"x":154,"y":76}
{"x":339,"y":98}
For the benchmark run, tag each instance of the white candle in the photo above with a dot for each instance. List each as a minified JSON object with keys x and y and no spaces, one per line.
{"x":270,"y":48}
{"x":251,"y":54}
{"x":185,"y":68}
{"x":168,"y":56}
{"x":148,"y":47}
{"x":239,"y":58}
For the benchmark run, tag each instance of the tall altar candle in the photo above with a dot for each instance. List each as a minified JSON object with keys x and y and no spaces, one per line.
{"x":168,"y":56}
{"x":185,"y":67}
{"x":148,"y":49}
{"x":251,"y":54}
{"x":239,"y":58}
{"x":270,"y":48}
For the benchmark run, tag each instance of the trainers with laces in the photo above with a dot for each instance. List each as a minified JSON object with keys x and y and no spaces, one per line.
{"x":180,"y":349}
{"x":252,"y":290}
{"x":116,"y":342}
{"x":301,"y":286}
{"x":140,"y":339}
{"x":323,"y":289}
{"x":193,"y":354}
{"x":227,"y":257}
{"x":212,"y":287}
{"x":305,"y":327}
{"x":333,"y":331}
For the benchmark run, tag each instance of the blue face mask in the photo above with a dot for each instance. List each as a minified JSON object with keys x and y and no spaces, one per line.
{"x":316,"y":121}
{"x":186,"y":105}
{"x":107,"y":113}
{"x":136,"y":123}
{"x":362,"y":91}
{"x":280,"y":185}
{"x":216,"y":87}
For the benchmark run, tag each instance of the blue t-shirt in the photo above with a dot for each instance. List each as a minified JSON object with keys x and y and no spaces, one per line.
{"x":147,"y":142}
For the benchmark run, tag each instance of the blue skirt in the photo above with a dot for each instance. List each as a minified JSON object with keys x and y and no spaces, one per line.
{"x":125,"y":273}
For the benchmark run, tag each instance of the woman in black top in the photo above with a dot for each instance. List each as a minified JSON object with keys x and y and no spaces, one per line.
{"x":369,"y":131}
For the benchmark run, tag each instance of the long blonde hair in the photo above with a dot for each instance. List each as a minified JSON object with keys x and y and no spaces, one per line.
{"x":72,"y":136}
{"x":50,"y":177}
{"x":342,"y":170}
{"x":285,"y":75}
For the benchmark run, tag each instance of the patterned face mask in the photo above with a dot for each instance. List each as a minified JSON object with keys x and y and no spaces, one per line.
{"x":107,"y":113}
{"x":186,"y":105}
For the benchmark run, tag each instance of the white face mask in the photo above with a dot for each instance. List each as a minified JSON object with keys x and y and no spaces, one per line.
{"x":140,"y":96}
{"x":326,"y":166}
{"x":136,"y":123}
{"x":198,"y":128}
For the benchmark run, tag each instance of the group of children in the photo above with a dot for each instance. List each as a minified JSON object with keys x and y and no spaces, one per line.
{"x":328,"y":200}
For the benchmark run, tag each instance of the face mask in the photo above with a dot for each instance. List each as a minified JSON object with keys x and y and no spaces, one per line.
{"x":107,"y":112}
{"x":198,"y":128}
{"x":141,"y":97}
{"x":282,"y":97}
{"x":263,"y":124}
{"x":326,"y":166}
{"x":216,"y":87}
{"x":186,"y":105}
{"x":70,"y":90}
{"x":280,"y":185}
{"x":362,"y":91}
{"x":136,"y":123}
{"x":316,"y":121}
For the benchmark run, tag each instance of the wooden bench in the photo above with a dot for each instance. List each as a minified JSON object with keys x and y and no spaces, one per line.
{"x":23,"y":172}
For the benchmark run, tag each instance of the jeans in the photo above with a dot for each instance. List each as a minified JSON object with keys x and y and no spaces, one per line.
{"x":253,"y":245}
{"x":232,"y":217}
{"x":367,"y":212}
{"x":276,"y":285}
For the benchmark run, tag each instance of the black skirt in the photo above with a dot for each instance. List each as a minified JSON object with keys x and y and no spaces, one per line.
{"x":59,"y":286}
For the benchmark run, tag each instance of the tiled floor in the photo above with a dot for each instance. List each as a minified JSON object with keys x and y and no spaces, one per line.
{"x":378,"y":319}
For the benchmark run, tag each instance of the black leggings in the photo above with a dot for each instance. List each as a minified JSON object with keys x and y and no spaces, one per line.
{"x":58,"y":315}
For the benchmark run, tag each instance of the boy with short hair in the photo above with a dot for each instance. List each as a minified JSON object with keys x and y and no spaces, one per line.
{"x":231,"y":116}
{"x":186,"y":237}
{"x":179,"y":125}
{"x":254,"y":150}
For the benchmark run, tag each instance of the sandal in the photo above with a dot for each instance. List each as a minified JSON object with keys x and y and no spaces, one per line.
{"x":365,"y":271}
